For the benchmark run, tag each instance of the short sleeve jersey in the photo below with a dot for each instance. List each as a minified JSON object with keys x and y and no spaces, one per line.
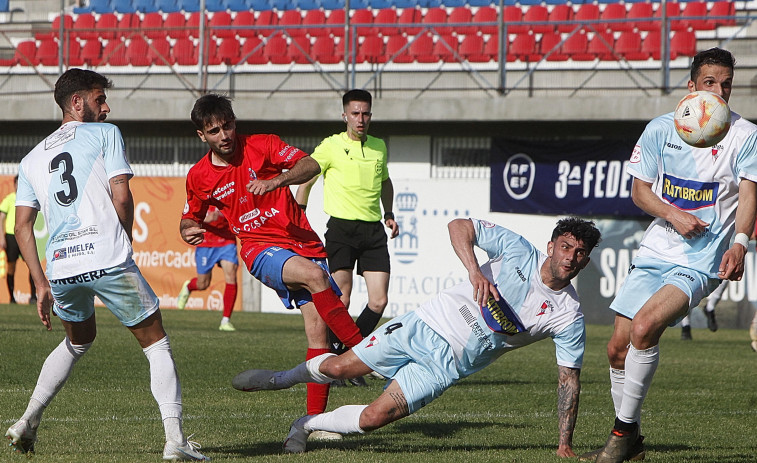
{"x":260,"y":221}
{"x":527,"y":311}
{"x":8,"y":207}
{"x":67,"y":178}
{"x":352,"y":175}
{"x":701,"y":181}
{"x":217,"y":232}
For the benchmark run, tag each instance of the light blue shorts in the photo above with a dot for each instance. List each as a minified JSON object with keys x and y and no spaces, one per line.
{"x":268,"y":266}
{"x":407,"y":350}
{"x":122,"y":289}
{"x":647,"y":276}
{"x":206,"y":258}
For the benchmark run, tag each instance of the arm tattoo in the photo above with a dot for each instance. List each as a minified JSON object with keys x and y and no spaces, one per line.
{"x":568,"y":390}
{"x":400,"y":409}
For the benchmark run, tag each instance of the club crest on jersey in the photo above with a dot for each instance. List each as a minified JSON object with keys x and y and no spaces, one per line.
{"x":253,"y":174}
{"x":688,"y":195}
{"x":546,"y":306}
{"x":715,"y":152}
{"x":501,"y":318}
{"x":372,"y":341}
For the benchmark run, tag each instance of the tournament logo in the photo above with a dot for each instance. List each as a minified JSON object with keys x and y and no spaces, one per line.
{"x":518,"y":176}
{"x":60,"y":254}
{"x":501,"y":318}
{"x":688,"y":195}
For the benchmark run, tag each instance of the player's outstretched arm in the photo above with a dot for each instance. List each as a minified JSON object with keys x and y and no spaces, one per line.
{"x":688,"y":225}
{"x":462,"y":235}
{"x":732,"y":264}
{"x":302,"y":171}
{"x":191,"y":232}
{"x":27,"y":243}
{"x":568,"y":391}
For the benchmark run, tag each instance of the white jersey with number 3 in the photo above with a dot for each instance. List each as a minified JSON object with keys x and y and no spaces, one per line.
{"x":66,"y":177}
{"x":701,"y":181}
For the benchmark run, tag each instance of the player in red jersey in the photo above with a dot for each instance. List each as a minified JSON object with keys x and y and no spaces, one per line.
{"x":247,"y":178}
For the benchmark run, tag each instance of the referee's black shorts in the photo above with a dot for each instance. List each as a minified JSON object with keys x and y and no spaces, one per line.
{"x":12,"y":252}
{"x":350,"y":241}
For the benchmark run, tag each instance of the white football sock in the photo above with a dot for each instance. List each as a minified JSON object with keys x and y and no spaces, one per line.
{"x":685,"y":321}
{"x":343,"y":420}
{"x":617,"y":380}
{"x":640,"y":368}
{"x":165,"y":387}
{"x":305,"y":372}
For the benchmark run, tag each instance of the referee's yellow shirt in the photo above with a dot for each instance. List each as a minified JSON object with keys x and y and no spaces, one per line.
{"x":352,"y":175}
{"x":8,"y":205}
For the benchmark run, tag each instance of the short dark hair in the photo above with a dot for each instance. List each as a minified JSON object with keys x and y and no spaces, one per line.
{"x":77,"y":80}
{"x":582,"y":230}
{"x":212,"y":107}
{"x":357,"y":94}
{"x":713,"y":56}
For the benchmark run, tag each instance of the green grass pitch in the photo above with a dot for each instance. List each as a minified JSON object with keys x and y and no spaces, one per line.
{"x":702,"y":406}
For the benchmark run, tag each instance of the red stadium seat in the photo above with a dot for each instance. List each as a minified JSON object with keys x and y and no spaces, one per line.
{"x":673,"y":9}
{"x":324,"y":50}
{"x":106,"y":26}
{"x":602,"y":45}
{"x":244,"y":19}
{"x":696,"y":9}
{"x":640,"y":11}
{"x":91,"y":52}
{"x":26,"y":53}
{"x":228,"y":50}
{"x":422,"y":49}
{"x":275,"y":50}
{"x":372,"y":50}
{"x":252,"y":51}
{"x":68,"y":24}
{"x":127,"y":25}
{"x":73,"y":56}
{"x":523,"y":48}
{"x":472,"y":49}
{"x":723,"y":8}
{"x":562,"y":12}
{"x":460,"y":19}
{"x":136,"y":52}
{"x":47,"y":52}
{"x":628,"y":46}
{"x":84,"y":26}
{"x":152,"y":25}
{"x":184,"y":52}
{"x":587,"y":12}
{"x":313,"y":19}
{"x":486,"y":14}
{"x":299,"y":50}
{"x":651,"y":44}
{"x":175,"y":25}
{"x":267,"y":18}
{"x":397,"y":50}
{"x":362,"y":23}
{"x":538,"y":13}
{"x":211,"y":54}
{"x":445,"y":48}
{"x":159,"y":52}
{"x":384,"y":20}
{"x":436,"y":18}
{"x":683,"y":43}
{"x":616,"y":12}
{"x":220,"y":25}
{"x":407,"y":17}
{"x":290,"y":19}
{"x":513,"y":17}
{"x":114,"y":53}
{"x":549,"y":47}
{"x":491,"y":48}
{"x":576,"y":47}
{"x":336,"y":21}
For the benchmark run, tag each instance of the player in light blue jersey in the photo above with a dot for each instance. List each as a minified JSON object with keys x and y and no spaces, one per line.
{"x":79,"y":178}
{"x":518,"y":297}
{"x":700,"y":198}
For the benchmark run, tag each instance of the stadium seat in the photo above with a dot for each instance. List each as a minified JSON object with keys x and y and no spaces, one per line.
{"x":123,"y":6}
{"x":114,"y":53}
{"x":562,"y":12}
{"x":602,"y":46}
{"x":472,"y":49}
{"x":282,"y":5}
{"x":336,"y":21}
{"x":615,"y":14}
{"x":397,"y":49}
{"x":84,"y":27}
{"x":513,"y":14}
{"x":384,"y":21}
{"x":190,"y":6}
{"x":372,"y":50}
{"x":91,"y":52}
{"x":159,"y":52}
{"x":404,"y":4}
{"x":152,"y":25}
{"x":407,"y":17}
{"x":145,"y":6}
{"x":549,"y":47}
{"x":723,"y":8}
{"x":68,"y":24}
{"x":267,"y":19}
{"x":486,"y":15}
{"x":47,"y":52}
{"x":220,"y":25}
{"x":260,"y":5}
{"x":290,"y":20}
{"x":523,"y":48}
{"x":107,"y":25}
{"x":445,"y":48}
{"x":184,"y":52}
{"x":422,"y":49}
{"x":275,"y":50}
{"x":360,"y":4}
{"x":460,"y":19}
{"x":136,"y":51}
{"x":640,"y":11}
{"x":332,"y":4}
{"x":210,"y":55}
{"x":696,"y":9}
{"x":215,"y":5}
{"x":100,"y":6}
{"x":26,"y":53}
{"x":168,"y":6}
{"x":307,"y":5}
{"x":127,"y":25}
{"x":487,"y":3}
{"x":193,"y":24}
{"x":575,"y":47}
{"x":243,"y":22}
{"x":651,"y":44}
{"x":587,"y":12}
{"x":628,"y":46}
{"x":673,"y":9}
{"x":324,"y":50}
{"x":175,"y":25}
{"x":361,"y":22}
{"x":435,"y":18}
{"x":299,"y":50}
{"x":252,"y":51}
{"x":683,"y":43}
{"x":536,"y":14}
{"x":72,"y":57}
{"x":315,"y":20}
{"x":455,"y":3}
{"x":491,"y":48}
{"x":228,"y":51}
{"x":238,"y":5}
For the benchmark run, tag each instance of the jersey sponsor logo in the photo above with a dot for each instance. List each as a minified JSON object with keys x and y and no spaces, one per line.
{"x":74,"y":234}
{"x":288,"y":152}
{"x":520,"y":274}
{"x":636,"y":154}
{"x":251,"y":222}
{"x":224,"y":191}
{"x":546,"y":306}
{"x":674,"y":146}
{"x":685,"y":275}
{"x":74,"y":251}
{"x":249,"y":215}
{"x":83,"y":278}
{"x":688,"y":195}
{"x":476,"y":329}
{"x":65,"y":135}
{"x":501,"y":318}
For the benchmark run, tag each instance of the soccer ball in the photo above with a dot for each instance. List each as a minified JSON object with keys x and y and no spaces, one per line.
{"x":702,"y":119}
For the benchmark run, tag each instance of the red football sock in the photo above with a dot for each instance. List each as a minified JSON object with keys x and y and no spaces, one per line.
{"x":317,"y":394}
{"x":192,"y":286}
{"x":229,"y":297}
{"x":334,"y":313}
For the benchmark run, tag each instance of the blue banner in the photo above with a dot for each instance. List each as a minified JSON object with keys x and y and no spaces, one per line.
{"x":583,"y":177}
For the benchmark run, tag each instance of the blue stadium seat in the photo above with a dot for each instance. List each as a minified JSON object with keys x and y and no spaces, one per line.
{"x":145,"y":6}
{"x":308,"y":4}
{"x":260,"y":5}
{"x":530,"y":2}
{"x":432,"y":3}
{"x":381,"y":4}
{"x":168,"y":6}
{"x":484,"y":2}
{"x":190,"y":6}
{"x":215,"y":5}
{"x":4,"y":5}
{"x":123,"y":6}
{"x":360,"y":4}
{"x":77,"y":9}
{"x":406,"y":3}
{"x":282,"y":5}
{"x":332,"y":4}
{"x":454,"y":3}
